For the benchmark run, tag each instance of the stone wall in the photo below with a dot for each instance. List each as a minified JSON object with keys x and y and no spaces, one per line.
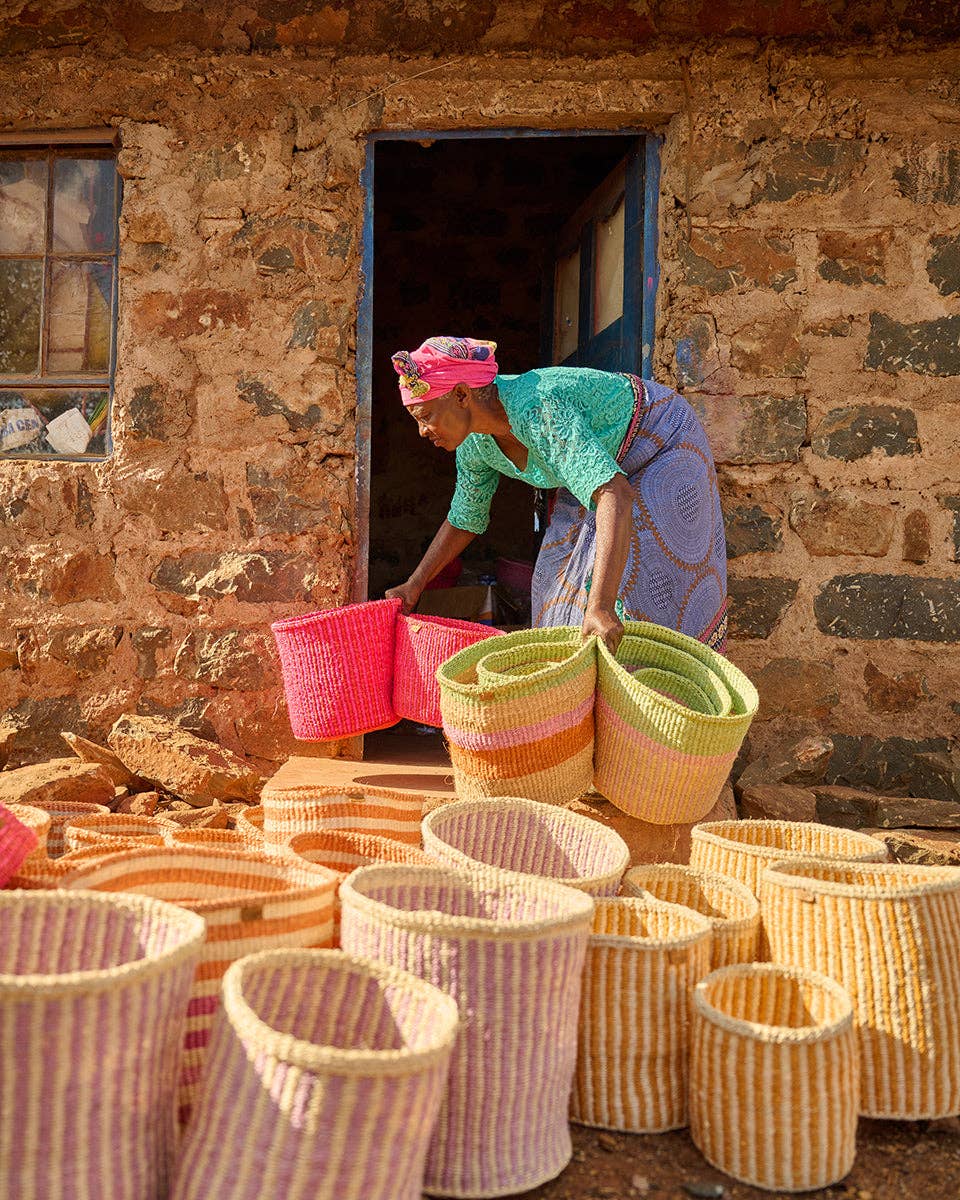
{"x":809,"y":305}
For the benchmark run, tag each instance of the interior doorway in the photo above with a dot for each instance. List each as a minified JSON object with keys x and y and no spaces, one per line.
{"x":505,"y":237}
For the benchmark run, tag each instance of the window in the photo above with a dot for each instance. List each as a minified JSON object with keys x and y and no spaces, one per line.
{"x":59,"y":204}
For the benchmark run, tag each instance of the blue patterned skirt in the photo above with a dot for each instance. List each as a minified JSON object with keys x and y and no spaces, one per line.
{"x":676,"y":572}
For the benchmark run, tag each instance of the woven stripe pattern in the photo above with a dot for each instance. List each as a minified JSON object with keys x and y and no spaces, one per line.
{"x":643,"y":958}
{"x":93,"y":990}
{"x":422,"y":644}
{"x":113,"y":831}
{"x":17,"y":842}
{"x":249,"y":824}
{"x":250,"y":902}
{"x":890,"y":934}
{"x":61,"y":813}
{"x":529,"y":837}
{"x":731,"y":908}
{"x":518,"y":715}
{"x":337,"y":668}
{"x":671,"y":715}
{"x":37,"y":820}
{"x":326,"y":1076}
{"x":510,"y":950}
{"x":773,"y":1076}
{"x":383,"y":811}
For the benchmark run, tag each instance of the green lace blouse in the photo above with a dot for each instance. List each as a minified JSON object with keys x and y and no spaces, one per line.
{"x":572,"y":421}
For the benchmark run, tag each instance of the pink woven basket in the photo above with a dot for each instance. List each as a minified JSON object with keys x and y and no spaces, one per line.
{"x":17,"y":841}
{"x":338,"y":669}
{"x":422,"y":644}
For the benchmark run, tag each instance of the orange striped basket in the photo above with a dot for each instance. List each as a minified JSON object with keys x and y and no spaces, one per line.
{"x":61,"y":813}
{"x":222,"y":839}
{"x":890,"y":934}
{"x":115,"y":831}
{"x":250,"y":902}
{"x":731,"y":908}
{"x":643,"y":958}
{"x":383,"y":811}
{"x":249,"y":824}
{"x":774,"y":1076}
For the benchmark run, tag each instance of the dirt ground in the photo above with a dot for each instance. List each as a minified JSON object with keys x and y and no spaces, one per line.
{"x":895,"y":1161}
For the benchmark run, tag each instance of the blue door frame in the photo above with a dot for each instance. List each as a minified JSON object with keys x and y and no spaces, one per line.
{"x":364,"y":361}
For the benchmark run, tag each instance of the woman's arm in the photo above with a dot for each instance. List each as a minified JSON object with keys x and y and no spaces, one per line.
{"x":614,"y":501}
{"x":448,"y":543}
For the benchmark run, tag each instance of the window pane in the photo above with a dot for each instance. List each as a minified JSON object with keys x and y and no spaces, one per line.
{"x":59,"y":423}
{"x":23,"y":203}
{"x":83,"y":205}
{"x":566,"y":306}
{"x":20,"y":287}
{"x":79,"y":331}
{"x":608,"y":280}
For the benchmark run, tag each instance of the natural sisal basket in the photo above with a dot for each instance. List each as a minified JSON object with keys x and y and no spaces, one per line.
{"x":731,"y":908}
{"x":223,"y":839}
{"x":326,"y":1076}
{"x":422,"y":644}
{"x":93,"y":990}
{"x":529,"y":837}
{"x":37,"y":820}
{"x":890,"y":934}
{"x":338,"y":669}
{"x":61,"y":813}
{"x":643,"y":958}
{"x":115,"y":831}
{"x":249,"y":824}
{"x":774,"y":1076}
{"x":510,"y":950}
{"x":383,"y":811}
{"x":250,"y":902}
{"x":518,"y":715}
{"x":671,"y":716}
{"x":17,"y":842}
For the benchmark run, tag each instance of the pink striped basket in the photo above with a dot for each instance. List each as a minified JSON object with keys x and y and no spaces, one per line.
{"x":93,"y":992}
{"x":17,"y":843}
{"x":510,"y":949}
{"x":422,"y":645}
{"x":338,"y":669}
{"x":326,"y":1076}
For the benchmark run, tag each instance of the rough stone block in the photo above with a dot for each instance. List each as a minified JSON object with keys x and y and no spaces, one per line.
{"x":189,"y":313}
{"x":147,"y":641}
{"x":938,"y":775}
{"x":697,"y":354}
{"x":177,"y":500}
{"x":85,"y":649}
{"x":269,"y":404}
{"x":89,"y":752}
{"x":296,"y":504}
{"x":943,"y":265}
{"x":849,"y":259}
{"x":889,"y":606}
{"x":253,"y":578}
{"x":848,"y":807}
{"x":902,"y":812}
{"x":921,"y":847}
{"x":916,"y":536}
{"x":816,"y":166}
{"x":893,"y":693}
{"x":769,"y":348}
{"x":752,"y":529}
{"x":757,"y":604}
{"x":930,"y":174}
{"x":189,"y":714}
{"x":39,"y":721}
{"x":802,"y":763}
{"x":885,"y":764}
{"x":8,"y":735}
{"x":831,"y":523}
{"x":925,"y":348}
{"x":753,"y":429}
{"x":157,"y":415}
{"x":777,"y":802}
{"x":225,"y":658}
{"x":60,"y":779}
{"x":718,"y":260}
{"x":855,"y":431}
{"x":796,"y":687}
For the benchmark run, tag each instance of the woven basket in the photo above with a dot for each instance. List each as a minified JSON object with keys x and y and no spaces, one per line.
{"x":518,"y":715}
{"x":532,"y":838}
{"x":338,"y":669}
{"x":671,"y":716}
{"x":37,"y":820}
{"x":222,"y":839}
{"x":383,"y":811}
{"x":422,"y":644}
{"x":61,"y":813}
{"x":250,"y":902}
{"x":643,"y":958}
{"x":17,"y":842}
{"x":732,"y":909}
{"x":774,"y":1076}
{"x":92,"y":995}
{"x":510,"y":949}
{"x":326,"y":1076}
{"x":115,"y":831}
{"x":249,"y":824}
{"x":890,"y":934}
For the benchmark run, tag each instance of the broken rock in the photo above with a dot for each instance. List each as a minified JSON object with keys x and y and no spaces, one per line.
{"x":8,"y":735}
{"x":848,"y":807}
{"x":804,"y":763}
{"x":938,"y":775}
{"x":142,"y":804}
{"x":90,"y":752}
{"x":61,"y":779}
{"x":213,"y":816}
{"x":926,"y":847}
{"x":778,"y":802}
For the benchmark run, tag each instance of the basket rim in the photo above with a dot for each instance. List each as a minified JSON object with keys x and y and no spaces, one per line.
{"x":710,"y":832}
{"x":324,"y":791}
{"x":759,"y":1031}
{"x":50,"y":985}
{"x":789,"y":874}
{"x":323,"y":616}
{"x":579,"y":914}
{"x":564,"y":635}
{"x":550,"y":814}
{"x":716,"y":878}
{"x":454,"y":624}
{"x":631,"y":941}
{"x":312,"y":1055}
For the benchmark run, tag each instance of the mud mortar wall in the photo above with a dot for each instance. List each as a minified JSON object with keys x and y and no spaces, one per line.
{"x":809,"y":306}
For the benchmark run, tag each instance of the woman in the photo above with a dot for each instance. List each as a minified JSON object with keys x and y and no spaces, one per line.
{"x":636,"y":529}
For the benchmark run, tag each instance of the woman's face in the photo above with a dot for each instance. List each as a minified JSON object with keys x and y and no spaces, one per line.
{"x":445,"y":420}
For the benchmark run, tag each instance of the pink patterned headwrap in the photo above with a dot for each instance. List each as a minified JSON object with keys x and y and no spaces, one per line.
{"x":440,"y":364}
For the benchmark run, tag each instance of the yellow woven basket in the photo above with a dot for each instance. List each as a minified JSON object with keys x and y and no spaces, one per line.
{"x":387,"y":812}
{"x":643,"y":957}
{"x":773,"y":1076}
{"x":890,"y":933}
{"x":731,"y":908}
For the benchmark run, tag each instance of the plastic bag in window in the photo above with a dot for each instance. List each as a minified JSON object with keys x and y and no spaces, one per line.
{"x":19,"y":427}
{"x":69,"y":433}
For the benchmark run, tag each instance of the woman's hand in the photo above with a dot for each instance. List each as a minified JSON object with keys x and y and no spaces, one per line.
{"x":604,"y":624}
{"x":408,"y":593}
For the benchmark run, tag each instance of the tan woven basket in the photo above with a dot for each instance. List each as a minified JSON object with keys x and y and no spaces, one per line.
{"x":222,"y":839}
{"x":643,"y":958}
{"x":92,"y":995}
{"x":529,"y":837}
{"x":326,"y":1076}
{"x":890,"y":933}
{"x":383,"y":811}
{"x":250,"y":902}
{"x":249,"y":824}
{"x":114,"y":831}
{"x":731,"y":908}
{"x":61,"y":813}
{"x":773,"y":1076}
{"x":39,"y":821}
